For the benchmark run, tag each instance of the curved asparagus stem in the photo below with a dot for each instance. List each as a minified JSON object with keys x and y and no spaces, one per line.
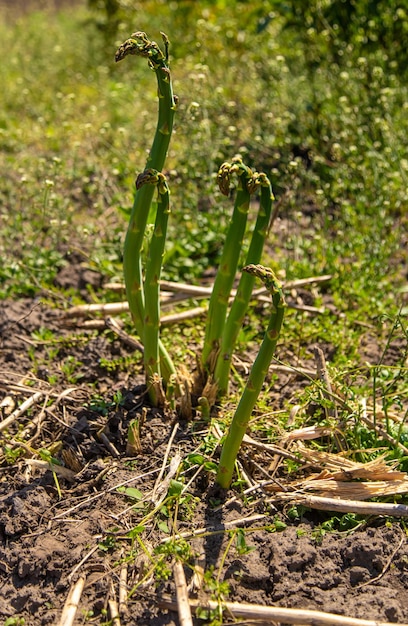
{"x":139,"y":44}
{"x":218,"y":304}
{"x":256,"y":378}
{"x":246,"y":282}
{"x":152,"y":285}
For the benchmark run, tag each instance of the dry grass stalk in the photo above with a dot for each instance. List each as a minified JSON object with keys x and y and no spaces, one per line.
{"x":83,"y":310}
{"x":161,"y":486}
{"x":342,"y":468}
{"x":180,"y":292}
{"x":376,"y":478}
{"x":175,"y":318}
{"x":27,"y":404}
{"x":197,"y":579}
{"x":386,"y":566}
{"x":303,"y":282}
{"x":82,"y":561}
{"x":354,"y":491}
{"x":108,"y":445}
{"x":383,"y":433}
{"x":269,"y":614}
{"x":197,"y":289}
{"x":72,"y":602}
{"x":218,"y":529}
{"x":324,"y":378}
{"x":107,"y":470}
{"x":114,"y":612}
{"x":336,"y":505}
{"x":183,"y":606}
{"x":62,"y":471}
{"x":288,"y":369}
{"x":161,"y":489}
{"x":123,"y":588}
{"x":308,"y":433}
{"x":269,"y":447}
{"x":8,"y":385}
{"x":113,"y":324}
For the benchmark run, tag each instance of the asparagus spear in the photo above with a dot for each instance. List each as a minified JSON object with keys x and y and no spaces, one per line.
{"x":246,"y":283}
{"x":218,"y":304}
{"x":139,"y":44}
{"x":152,"y":286}
{"x":256,"y":378}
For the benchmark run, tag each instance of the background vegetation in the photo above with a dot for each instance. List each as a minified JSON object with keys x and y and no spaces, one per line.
{"x":313,"y":93}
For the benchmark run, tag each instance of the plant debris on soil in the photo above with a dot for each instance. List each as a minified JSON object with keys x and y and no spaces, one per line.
{"x":68,"y":512}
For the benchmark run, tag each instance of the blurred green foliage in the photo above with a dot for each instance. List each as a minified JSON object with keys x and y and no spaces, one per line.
{"x":294,"y":88}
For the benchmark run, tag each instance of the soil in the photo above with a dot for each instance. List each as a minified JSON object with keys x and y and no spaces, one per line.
{"x":55,"y":528}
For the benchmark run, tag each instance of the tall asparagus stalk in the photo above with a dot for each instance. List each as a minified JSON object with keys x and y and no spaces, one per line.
{"x":218,"y":305}
{"x":152,"y":285}
{"x":139,"y":44}
{"x":256,"y":378}
{"x":246,"y":283}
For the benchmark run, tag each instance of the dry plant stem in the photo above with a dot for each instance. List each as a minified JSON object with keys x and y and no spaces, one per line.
{"x":140,"y":45}
{"x":27,"y":404}
{"x":114,"y":612}
{"x":256,"y":378}
{"x":268,"y":447}
{"x":83,"y":310}
{"x":383,"y":433}
{"x":82,"y":561}
{"x":217,"y":310}
{"x":123,"y":588}
{"x":159,"y":487}
{"x":336,"y":505}
{"x":271,"y":614}
{"x":72,"y":602}
{"x":182,"y":292}
{"x":386,"y":566}
{"x":64,"y":472}
{"x":183,"y":606}
{"x":245,"y":286}
{"x":102,"y":492}
{"x":200,"y":291}
{"x":175,"y":318}
{"x":108,"y":445}
{"x":161,"y":491}
{"x":218,"y":529}
{"x":324,"y":378}
{"x":113,"y":325}
{"x":197,"y":290}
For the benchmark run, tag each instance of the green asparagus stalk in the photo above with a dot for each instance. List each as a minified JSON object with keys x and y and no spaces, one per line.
{"x":246,"y":283}
{"x":218,"y":305}
{"x":139,"y":44}
{"x":256,"y":378}
{"x":152,"y":286}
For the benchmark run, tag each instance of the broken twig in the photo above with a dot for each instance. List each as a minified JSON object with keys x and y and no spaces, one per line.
{"x":184,"y":611}
{"x":72,"y":602}
{"x":278,"y":614}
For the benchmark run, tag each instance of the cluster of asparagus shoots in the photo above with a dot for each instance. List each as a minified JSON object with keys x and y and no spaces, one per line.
{"x":144,"y":295}
{"x":224,"y":319}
